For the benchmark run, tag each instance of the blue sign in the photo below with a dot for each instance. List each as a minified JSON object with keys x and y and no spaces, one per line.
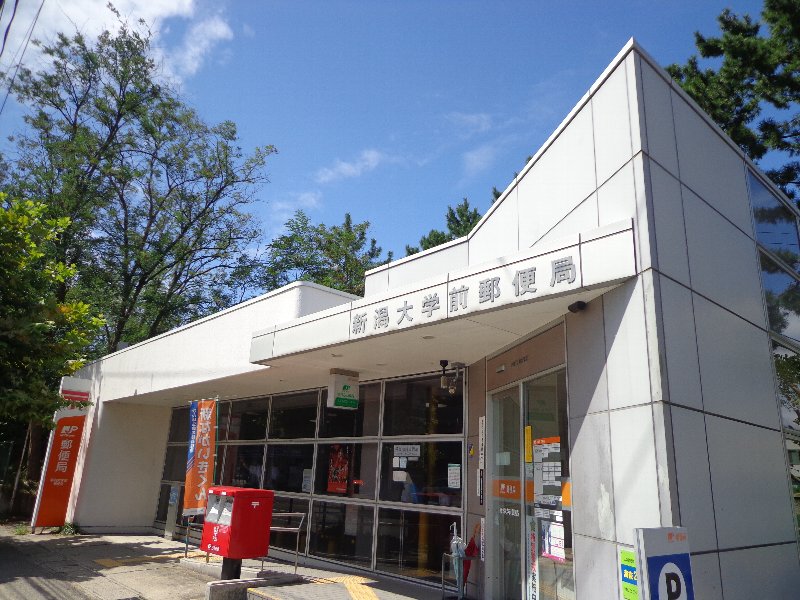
{"x":670,"y":577}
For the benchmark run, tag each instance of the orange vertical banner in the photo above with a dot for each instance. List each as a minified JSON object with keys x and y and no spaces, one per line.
{"x":200,"y":458}
{"x":51,"y":506}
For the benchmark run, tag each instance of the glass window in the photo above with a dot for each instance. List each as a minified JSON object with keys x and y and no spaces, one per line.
{"x":223,"y":412}
{"x":421,"y":406}
{"x":294,"y":416}
{"x":776,"y":225}
{"x":782,"y":295}
{"x":422,"y":473}
{"x":346,"y":470}
{"x":242,"y":466}
{"x":175,"y":463}
{"x":286,"y":539}
{"x":179,"y":425}
{"x":289,"y":467}
{"x":163,"y":503}
{"x":249,"y":419}
{"x":342,"y":422}
{"x":342,"y":532}
{"x":412,"y":543}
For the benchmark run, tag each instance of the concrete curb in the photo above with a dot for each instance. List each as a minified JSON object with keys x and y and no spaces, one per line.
{"x":236,"y":589}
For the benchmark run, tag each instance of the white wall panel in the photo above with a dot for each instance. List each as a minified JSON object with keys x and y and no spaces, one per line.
{"x":658,"y":117}
{"x":586,"y":360}
{"x":590,"y":472}
{"x":735,"y":366}
{"x":626,"y":346}
{"x":616,"y":198}
{"x":376,"y":282}
{"x":561,"y":179}
{"x":583,"y":218}
{"x":680,"y":344}
{"x":596,"y":567}
{"x":710,"y":166}
{"x":498,"y":235}
{"x":750,"y":482}
{"x":636,"y":109}
{"x":694,"y":479}
{"x":634,"y":467}
{"x":770,"y":573}
{"x":432,"y":263}
{"x":722,"y":260}
{"x":705,"y":575}
{"x":670,"y":234}
{"x":612,"y":124}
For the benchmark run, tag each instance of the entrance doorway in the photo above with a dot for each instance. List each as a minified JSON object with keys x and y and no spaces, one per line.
{"x":530,"y":490}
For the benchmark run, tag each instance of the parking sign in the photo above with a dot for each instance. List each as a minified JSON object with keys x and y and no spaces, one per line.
{"x":666,"y":572}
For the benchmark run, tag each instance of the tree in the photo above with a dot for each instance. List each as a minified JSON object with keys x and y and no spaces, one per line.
{"x":460,"y":221}
{"x":335,"y":256}
{"x":753,"y":92}
{"x":41,"y":338}
{"x":159,"y":229}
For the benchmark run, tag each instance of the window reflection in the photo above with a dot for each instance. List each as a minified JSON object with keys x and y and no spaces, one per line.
{"x":363,"y":421}
{"x":249,"y":420}
{"x":422,"y":473}
{"x":421,"y":406}
{"x":342,"y":532}
{"x":412,"y":543}
{"x":294,"y":416}
{"x":776,"y":225}
{"x":242,"y":466}
{"x":289,"y":467}
{"x":782,"y":295}
{"x":287,"y":539}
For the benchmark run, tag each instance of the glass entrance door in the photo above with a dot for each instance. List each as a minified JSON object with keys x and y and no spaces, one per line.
{"x":531,"y":502}
{"x":547,"y":498}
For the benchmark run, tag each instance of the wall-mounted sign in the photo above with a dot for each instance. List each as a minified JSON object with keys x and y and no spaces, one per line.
{"x":75,"y":389}
{"x":665,"y":568}
{"x":628,"y":579}
{"x":343,"y":390}
{"x":454,"y":476}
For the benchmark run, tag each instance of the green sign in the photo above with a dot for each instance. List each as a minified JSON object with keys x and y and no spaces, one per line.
{"x":629,"y":579}
{"x":343,"y":391}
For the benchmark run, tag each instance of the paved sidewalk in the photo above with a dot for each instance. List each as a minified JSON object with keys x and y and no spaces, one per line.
{"x":129,"y":567}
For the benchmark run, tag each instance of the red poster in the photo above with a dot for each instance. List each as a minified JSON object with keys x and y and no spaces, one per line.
{"x":200,"y":459}
{"x":51,"y":509}
{"x":338,"y":469}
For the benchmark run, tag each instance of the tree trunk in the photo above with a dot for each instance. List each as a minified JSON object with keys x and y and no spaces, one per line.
{"x":38,"y":444}
{"x":19,"y":470}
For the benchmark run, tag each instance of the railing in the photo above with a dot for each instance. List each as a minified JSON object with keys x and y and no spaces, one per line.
{"x":287,"y":529}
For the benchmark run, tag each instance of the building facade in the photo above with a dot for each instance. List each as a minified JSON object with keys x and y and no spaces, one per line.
{"x":619,"y":314}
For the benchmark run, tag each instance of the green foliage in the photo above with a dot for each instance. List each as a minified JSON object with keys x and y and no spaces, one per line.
{"x":753,"y":92}
{"x":41,"y":338}
{"x":335,"y":256}
{"x":21,"y":529}
{"x":787,"y":367}
{"x":460,"y":221}
{"x":159,"y":228}
{"x":68,"y":529}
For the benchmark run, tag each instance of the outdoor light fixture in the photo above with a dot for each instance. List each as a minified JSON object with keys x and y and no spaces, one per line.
{"x":449,"y":383}
{"x":577,"y":307}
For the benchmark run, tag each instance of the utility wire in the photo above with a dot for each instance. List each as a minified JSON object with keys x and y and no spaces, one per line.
{"x":8,"y":27}
{"x":27,"y":41}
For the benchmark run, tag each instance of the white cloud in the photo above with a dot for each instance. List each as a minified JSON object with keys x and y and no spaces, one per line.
{"x":198,"y":42}
{"x":282,"y":210}
{"x":367,"y":161}
{"x":479,"y":159}
{"x":91,"y":17}
{"x":470,"y":123}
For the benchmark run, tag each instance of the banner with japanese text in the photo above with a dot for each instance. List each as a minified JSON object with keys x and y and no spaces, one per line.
{"x":56,"y":482}
{"x":200,"y":458}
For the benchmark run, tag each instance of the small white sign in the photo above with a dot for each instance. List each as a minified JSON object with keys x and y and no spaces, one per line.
{"x":306,"y":487}
{"x":482,"y":442}
{"x":343,"y":391}
{"x":454,"y":476}
{"x":407,"y":450}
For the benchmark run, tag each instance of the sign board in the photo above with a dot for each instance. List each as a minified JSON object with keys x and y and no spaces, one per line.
{"x":56,"y":484}
{"x":628,"y":580}
{"x":454,"y":476}
{"x":201,"y":455}
{"x":665,"y":569}
{"x":343,"y":390}
{"x":75,"y":389}
{"x":407,"y":450}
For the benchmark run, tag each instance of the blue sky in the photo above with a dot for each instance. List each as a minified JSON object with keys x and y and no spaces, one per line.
{"x":390,"y":110}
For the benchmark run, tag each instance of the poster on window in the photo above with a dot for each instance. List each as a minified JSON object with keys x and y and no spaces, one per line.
{"x":532,"y":586}
{"x":338,"y":469}
{"x":552,"y":536}
{"x":547,"y":471}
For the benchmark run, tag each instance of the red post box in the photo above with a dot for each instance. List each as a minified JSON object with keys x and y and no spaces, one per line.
{"x":237,"y":522}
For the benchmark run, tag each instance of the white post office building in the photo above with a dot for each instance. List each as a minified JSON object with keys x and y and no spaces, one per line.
{"x":617,"y":313}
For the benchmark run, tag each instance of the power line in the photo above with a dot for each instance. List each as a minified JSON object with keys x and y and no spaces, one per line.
{"x":27,"y":41}
{"x":8,"y":27}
